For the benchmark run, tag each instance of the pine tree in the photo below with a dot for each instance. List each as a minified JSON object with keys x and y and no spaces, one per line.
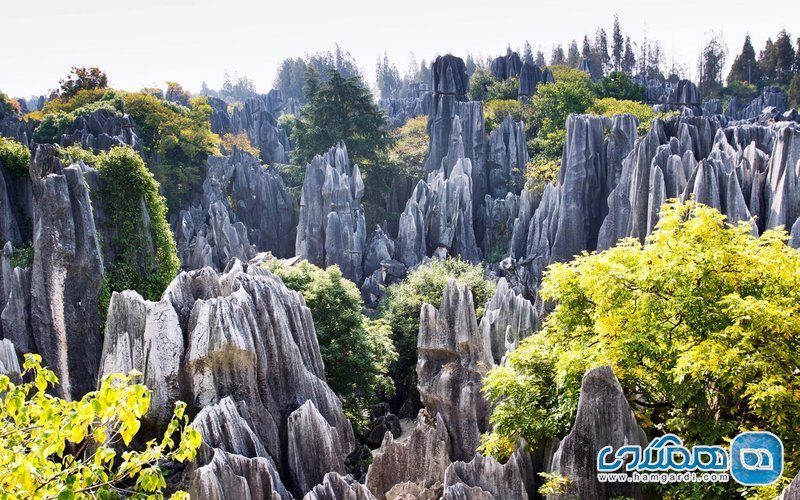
{"x":617,"y":45}
{"x":601,"y":57}
{"x":784,"y":58}
{"x":527,"y":53}
{"x":629,"y":59}
{"x":540,"y":60}
{"x":745,"y":68}
{"x":587,"y":48}
{"x":767,"y":60}
{"x":573,"y":56}
{"x":557,"y":56}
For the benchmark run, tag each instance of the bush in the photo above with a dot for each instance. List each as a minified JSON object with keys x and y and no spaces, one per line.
{"x":43,"y":439}
{"x":22,"y":256}
{"x":479,"y":84}
{"x":81,"y":79}
{"x":742,"y":90}
{"x":410,"y":145}
{"x":568,"y":74}
{"x":794,"y":92}
{"x":14,"y":156}
{"x":619,"y":85}
{"x":357,"y":352}
{"x":506,"y":89}
{"x":552,"y":104}
{"x":240,"y":141}
{"x":76,"y":153}
{"x":126,"y":181}
{"x":496,"y":111}
{"x":8,"y":105}
{"x":542,"y":169}
{"x":401,"y":305}
{"x":59,"y":113}
{"x":610,"y":106}
{"x":700,"y":325}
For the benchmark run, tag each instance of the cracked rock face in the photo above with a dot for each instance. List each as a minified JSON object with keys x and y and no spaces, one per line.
{"x":336,"y":487}
{"x":243,"y":335}
{"x":453,"y":359}
{"x":332,"y":229}
{"x":417,"y":461}
{"x":604,"y":418}
{"x":245,"y":209}
{"x":485,"y":477}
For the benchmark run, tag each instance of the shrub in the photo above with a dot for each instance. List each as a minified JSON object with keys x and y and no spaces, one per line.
{"x":240,"y":141}
{"x":81,"y":79}
{"x":568,"y":74}
{"x":619,"y":85}
{"x":22,"y":256}
{"x":410,"y":145}
{"x":76,"y":153}
{"x":126,"y":181}
{"x":43,"y":439}
{"x":58,"y":114}
{"x":609,"y":107}
{"x":401,"y":305}
{"x":505,"y":89}
{"x":356,"y":351}
{"x":496,"y":111}
{"x":542,"y":169}
{"x":479,"y":84}
{"x":700,"y":325}
{"x":552,"y":104}
{"x":8,"y":105}
{"x":741,"y":90}
{"x":14,"y":156}
{"x":794,"y":92}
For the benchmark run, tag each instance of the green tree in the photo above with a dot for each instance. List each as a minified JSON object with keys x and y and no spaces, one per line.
{"x":710,"y":65}
{"x":794,"y":91}
{"x":401,"y":305}
{"x":357,"y":351}
{"x":176,"y":94}
{"x":479,"y":84}
{"x":387,"y":78}
{"x":745,"y":68}
{"x":80,"y":79}
{"x":617,"y":46}
{"x":552,"y":104}
{"x":341,"y":109}
{"x":126,"y":182}
{"x":619,"y":85}
{"x":52,"y":448}
{"x":410,"y":145}
{"x":608,"y":106}
{"x":784,"y":58}
{"x":14,"y":156}
{"x":291,"y":77}
{"x":8,"y":105}
{"x":573,"y":55}
{"x":700,"y":325}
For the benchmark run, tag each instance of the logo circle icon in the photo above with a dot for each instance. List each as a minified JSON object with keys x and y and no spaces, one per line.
{"x":756,"y":458}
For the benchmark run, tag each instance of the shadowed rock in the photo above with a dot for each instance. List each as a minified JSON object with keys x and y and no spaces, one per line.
{"x":420,"y":459}
{"x":493,"y":479}
{"x":604,"y":418}
{"x":336,"y":487}
{"x":453,"y":359}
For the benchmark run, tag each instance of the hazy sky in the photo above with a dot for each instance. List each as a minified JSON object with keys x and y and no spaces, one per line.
{"x":145,"y":42}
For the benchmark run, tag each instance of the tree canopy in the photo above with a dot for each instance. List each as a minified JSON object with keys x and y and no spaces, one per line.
{"x":700,"y":324}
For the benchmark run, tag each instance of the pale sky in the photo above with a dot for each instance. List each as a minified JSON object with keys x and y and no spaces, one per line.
{"x":146,"y":42}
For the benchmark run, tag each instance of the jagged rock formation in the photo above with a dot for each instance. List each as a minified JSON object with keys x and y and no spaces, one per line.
{"x":792,"y":492}
{"x":66,"y":277}
{"x":530,"y":76}
{"x":508,"y":157}
{"x":336,"y":487}
{"x":604,"y":418}
{"x":9,"y":364}
{"x":16,"y":207}
{"x":485,"y":477}
{"x":450,"y":76}
{"x":453,"y":359}
{"x":332,"y":229}
{"x":245,"y":209}
{"x":226,"y":332}
{"x":400,"y":109}
{"x":508,"y":318}
{"x":498,"y":216}
{"x":231,"y":453}
{"x":685,"y":93}
{"x":380,"y":268}
{"x":100,"y":131}
{"x":257,"y":118}
{"x":770,"y":97}
{"x":419,"y":459}
{"x":505,"y":67}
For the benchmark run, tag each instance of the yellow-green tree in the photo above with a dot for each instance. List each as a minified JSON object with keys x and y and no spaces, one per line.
{"x":52,"y":448}
{"x":701,"y":325}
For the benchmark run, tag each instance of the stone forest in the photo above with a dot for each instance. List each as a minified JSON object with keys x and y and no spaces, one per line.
{"x":465,"y":282}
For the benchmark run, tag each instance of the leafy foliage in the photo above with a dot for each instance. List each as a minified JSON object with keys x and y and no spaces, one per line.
{"x":609,"y":107}
{"x":356,"y":351}
{"x":619,"y":85}
{"x":22,"y":256}
{"x":479,"y":84}
{"x":409,"y":147}
{"x":552,"y":104}
{"x":81,"y":79}
{"x":240,"y":141}
{"x":176,"y":139}
{"x":401,"y":305}
{"x":700,"y":325}
{"x":52,"y":448}
{"x":14,"y":156}
{"x":341,"y":109}
{"x":794,"y":91}
{"x":498,"y":110}
{"x":126,"y":181}
{"x":8,"y":105}
{"x":505,"y":89}
{"x":59,"y":113}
